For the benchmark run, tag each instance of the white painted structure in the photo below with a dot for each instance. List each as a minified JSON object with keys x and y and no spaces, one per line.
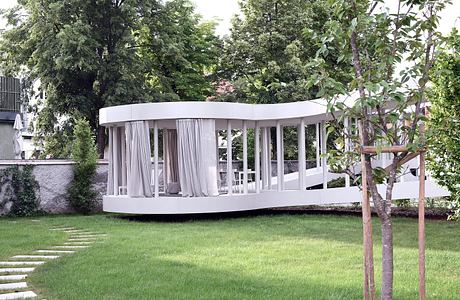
{"x":265,"y":190}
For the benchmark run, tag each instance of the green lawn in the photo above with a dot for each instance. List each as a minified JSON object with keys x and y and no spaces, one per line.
{"x":279,"y":256}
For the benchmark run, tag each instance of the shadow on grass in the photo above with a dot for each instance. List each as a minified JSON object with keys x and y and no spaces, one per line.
{"x":320,"y":224}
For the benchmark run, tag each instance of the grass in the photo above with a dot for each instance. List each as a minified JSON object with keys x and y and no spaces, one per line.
{"x":261,"y":257}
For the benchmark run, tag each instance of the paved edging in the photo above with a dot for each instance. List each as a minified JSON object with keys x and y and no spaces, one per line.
{"x":13,"y":272}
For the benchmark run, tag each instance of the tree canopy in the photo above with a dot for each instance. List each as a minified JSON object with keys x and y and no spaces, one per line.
{"x":267,"y":53}
{"x":92,"y":54}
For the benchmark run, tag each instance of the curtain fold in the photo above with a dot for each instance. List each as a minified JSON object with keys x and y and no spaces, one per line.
{"x":138,"y":159}
{"x":117,"y":162}
{"x":196,"y":142}
{"x":170,"y":164}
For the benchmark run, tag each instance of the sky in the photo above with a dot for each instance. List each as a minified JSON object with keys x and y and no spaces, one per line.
{"x":223,"y":11}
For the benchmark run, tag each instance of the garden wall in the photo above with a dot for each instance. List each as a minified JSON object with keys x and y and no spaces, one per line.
{"x":54,"y":177}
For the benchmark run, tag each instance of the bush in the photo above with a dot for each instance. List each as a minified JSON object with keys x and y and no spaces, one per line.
{"x":443,"y":125}
{"x":22,"y":191}
{"x":81,"y":194}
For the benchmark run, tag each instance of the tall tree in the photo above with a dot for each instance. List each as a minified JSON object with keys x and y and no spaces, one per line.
{"x":92,"y":54}
{"x":181,"y":52}
{"x":266,"y":54}
{"x":374,"y":39}
{"x":79,"y":50}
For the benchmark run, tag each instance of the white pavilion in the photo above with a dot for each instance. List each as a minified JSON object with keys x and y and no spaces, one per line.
{"x":190,"y":180}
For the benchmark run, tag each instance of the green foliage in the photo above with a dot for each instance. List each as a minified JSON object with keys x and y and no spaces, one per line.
{"x":375,"y":44}
{"x":81,"y":194}
{"x":267,"y":53}
{"x":444,"y":121}
{"x":92,"y":54}
{"x":21,"y":189}
{"x":404,"y":203}
{"x":180,"y":52}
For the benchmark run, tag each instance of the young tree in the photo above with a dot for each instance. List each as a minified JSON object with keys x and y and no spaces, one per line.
{"x":392,"y":50}
{"x":81,"y":193}
{"x":443,"y":125}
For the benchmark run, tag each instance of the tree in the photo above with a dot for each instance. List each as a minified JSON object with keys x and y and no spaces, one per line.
{"x":374,"y":40}
{"x":266,"y":54}
{"x":92,"y":54}
{"x":180,"y":52}
{"x":79,"y":50}
{"x":84,"y":153}
{"x":444,"y":119}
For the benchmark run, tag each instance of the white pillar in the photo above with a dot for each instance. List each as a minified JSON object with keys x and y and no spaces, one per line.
{"x":282,"y":157}
{"x":116,"y":149}
{"x":257,"y":156}
{"x":123,"y":159}
{"x":155,"y":159}
{"x":279,"y":167}
{"x":347,"y":145}
{"x":317,"y":146}
{"x":164,"y":130}
{"x":269,"y":157}
{"x":229,"y":158}
{"x":264,"y":158}
{"x":323,"y":153}
{"x":245,"y":157}
{"x":301,"y":154}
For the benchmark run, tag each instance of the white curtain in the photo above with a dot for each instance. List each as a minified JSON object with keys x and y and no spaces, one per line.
{"x":196,"y":142}
{"x":138,"y":159}
{"x":170,"y":165}
{"x":117,"y":161}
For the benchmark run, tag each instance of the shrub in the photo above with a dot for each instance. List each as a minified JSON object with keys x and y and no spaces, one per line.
{"x":444,"y":120}
{"x":21,"y":190}
{"x":81,"y":195}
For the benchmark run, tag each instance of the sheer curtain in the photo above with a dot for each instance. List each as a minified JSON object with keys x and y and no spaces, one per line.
{"x":171,"y":167}
{"x":138,"y":159}
{"x":196,"y":142}
{"x":117,"y":160}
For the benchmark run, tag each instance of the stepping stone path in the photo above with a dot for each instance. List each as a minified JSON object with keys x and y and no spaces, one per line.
{"x":13,"y":272}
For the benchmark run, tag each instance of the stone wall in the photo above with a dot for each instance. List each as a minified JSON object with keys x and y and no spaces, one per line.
{"x":54,"y":177}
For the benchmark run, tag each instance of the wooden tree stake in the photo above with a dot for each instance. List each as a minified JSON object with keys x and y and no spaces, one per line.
{"x":421,"y":224}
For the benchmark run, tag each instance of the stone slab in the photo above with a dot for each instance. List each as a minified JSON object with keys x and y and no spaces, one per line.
{"x":12,"y":277}
{"x":21,"y":263}
{"x":19,"y":295}
{"x":16,"y":270}
{"x":13,"y":286}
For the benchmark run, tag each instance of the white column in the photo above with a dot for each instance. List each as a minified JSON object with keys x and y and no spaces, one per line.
{"x":317,"y":146}
{"x":245,"y":157}
{"x":155,"y":158}
{"x":123,"y":159}
{"x":264,"y":158}
{"x":269,"y":157}
{"x":116,"y":146}
{"x":229,"y":158}
{"x":279,"y":167}
{"x":164,"y":130}
{"x":257,"y":156}
{"x":282,"y":157}
{"x":347,"y":145}
{"x":301,"y":154}
{"x":323,"y":153}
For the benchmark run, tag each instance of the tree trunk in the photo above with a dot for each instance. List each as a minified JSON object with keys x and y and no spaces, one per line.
{"x":100,"y":138}
{"x":387,"y":259}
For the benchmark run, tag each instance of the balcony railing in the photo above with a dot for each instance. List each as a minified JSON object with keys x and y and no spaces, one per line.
{"x":10,"y":94}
